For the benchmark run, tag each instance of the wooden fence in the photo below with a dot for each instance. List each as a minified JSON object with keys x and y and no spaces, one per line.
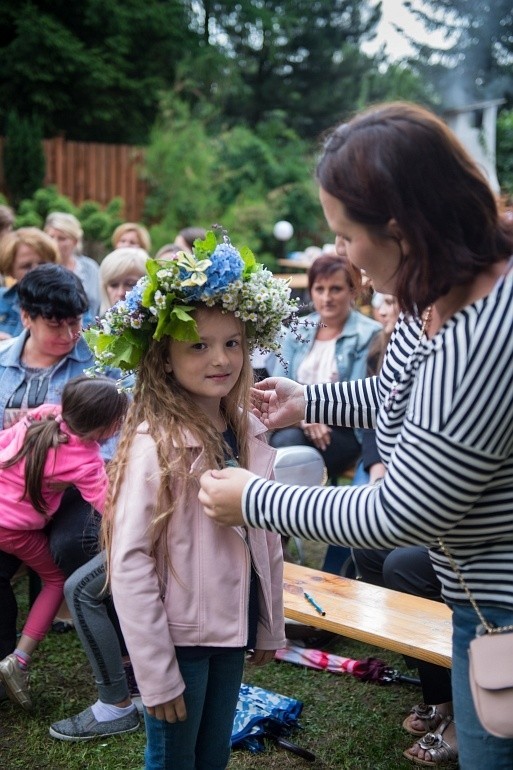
{"x":90,"y":171}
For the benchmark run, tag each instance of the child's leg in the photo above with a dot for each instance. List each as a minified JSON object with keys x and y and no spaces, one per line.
{"x":85,"y":594}
{"x":213,"y":744}
{"x":173,"y":746}
{"x":31,"y":546}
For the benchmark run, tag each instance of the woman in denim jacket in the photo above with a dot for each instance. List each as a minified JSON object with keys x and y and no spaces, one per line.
{"x":34,"y":368}
{"x":333,"y":346}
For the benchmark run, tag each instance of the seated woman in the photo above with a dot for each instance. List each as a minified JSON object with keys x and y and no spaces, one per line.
{"x":409,"y":569}
{"x":66,"y":231}
{"x":20,"y":251}
{"x":131,"y":234}
{"x":34,"y":367}
{"x":333,"y":347}
{"x":119,"y":272}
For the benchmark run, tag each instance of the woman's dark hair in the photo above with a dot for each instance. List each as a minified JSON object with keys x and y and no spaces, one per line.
{"x":326,"y":265}
{"x":52,"y":291}
{"x":88,"y":405}
{"x":399,"y":161}
{"x":190,"y":234}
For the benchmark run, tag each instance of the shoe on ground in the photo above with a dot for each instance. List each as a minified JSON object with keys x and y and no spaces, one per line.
{"x":85,"y":727}
{"x":15,"y":681}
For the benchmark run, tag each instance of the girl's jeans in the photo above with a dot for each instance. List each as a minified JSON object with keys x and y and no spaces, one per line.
{"x":202,"y":741}
{"x":476,"y":747}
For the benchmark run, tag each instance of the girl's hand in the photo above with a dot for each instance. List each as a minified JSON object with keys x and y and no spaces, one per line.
{"x":260,"y":657}
{"x":319,"y":434}
{"x":221,"y":494}
{"x":278,"y":402}
{"x":171,"y":711}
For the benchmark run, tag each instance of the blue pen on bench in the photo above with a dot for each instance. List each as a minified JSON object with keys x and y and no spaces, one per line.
{"x":309,"y":598}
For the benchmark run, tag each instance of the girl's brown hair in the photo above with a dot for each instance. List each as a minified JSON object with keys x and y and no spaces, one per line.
{"x":88,"y":406}
{"x":169,"y":411}
{"x":399,"y":161}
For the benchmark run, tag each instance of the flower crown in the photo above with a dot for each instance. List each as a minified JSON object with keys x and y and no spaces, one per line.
{"x":162,"y":302}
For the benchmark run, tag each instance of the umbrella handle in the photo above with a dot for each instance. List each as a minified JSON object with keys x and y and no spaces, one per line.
{"x":284,"y":743}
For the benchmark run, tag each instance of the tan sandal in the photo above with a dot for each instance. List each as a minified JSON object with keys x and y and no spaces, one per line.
{"x":441,"y":752}
{"x":428,"y":714}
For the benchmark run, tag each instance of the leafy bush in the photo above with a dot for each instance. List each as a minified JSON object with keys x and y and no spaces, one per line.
{"x":97,"y":223}
{"x":243,"y":179}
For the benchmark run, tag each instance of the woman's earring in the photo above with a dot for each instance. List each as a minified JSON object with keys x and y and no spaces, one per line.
{"x":168,"y":368}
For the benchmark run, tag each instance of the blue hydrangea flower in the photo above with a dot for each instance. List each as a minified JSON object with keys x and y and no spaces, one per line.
{"x":227,"y":266}
{"x":133,"y":298}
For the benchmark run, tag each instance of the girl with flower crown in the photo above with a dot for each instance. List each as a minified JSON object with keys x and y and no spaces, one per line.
{"x":194,"y":600}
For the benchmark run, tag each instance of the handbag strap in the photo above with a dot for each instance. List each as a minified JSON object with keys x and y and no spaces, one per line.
{"x":489,"y":629}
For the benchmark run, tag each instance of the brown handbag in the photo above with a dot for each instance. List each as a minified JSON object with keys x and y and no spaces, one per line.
{"x":490,"y":668}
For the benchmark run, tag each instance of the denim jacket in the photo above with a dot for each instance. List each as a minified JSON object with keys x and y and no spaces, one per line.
{"x":351,"y":347}
{"x":10,"y":318}
{"x":12,"y":375}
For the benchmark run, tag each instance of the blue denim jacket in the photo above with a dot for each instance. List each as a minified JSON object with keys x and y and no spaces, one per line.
{"x":12,"y":375}
{"x":351,"y":347}
{"x":10,"y":319}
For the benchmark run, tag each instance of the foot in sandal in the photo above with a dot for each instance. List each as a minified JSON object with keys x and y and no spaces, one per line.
{"x":437,"y":749}
{"x":424,"y":718}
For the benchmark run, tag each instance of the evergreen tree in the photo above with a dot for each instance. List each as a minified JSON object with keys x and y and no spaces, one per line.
{"x":24,"y":160}
{"x":92,"y":69}
{"x":476,"y":59}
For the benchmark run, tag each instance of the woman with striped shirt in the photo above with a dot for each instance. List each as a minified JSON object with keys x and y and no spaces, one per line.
{"x":413,"y":210}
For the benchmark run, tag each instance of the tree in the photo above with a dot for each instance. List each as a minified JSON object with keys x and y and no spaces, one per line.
{"x":477,"y":62}
{"x":244,"y":180}
{"x":298,"y":56}
{"x":92,"y":69}
{"x":24,"y":159}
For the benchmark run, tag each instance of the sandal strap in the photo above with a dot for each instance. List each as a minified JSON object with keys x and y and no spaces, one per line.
{"x":440,"y":750}
{"x":425,"y":711}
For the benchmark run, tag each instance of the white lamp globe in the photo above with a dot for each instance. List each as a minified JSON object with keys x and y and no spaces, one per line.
{"x":283,"y":230}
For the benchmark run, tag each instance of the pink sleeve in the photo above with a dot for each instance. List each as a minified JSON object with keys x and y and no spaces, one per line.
{"x":93,"y":484}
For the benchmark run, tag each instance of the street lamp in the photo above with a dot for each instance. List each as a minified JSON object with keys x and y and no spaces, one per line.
{"x":283,"y":232}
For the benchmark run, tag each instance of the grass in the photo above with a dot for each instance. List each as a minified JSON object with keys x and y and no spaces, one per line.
{"x":346,"y":723}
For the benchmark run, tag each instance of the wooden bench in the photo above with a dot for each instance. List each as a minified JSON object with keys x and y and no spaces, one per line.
{"x":389,"y":619}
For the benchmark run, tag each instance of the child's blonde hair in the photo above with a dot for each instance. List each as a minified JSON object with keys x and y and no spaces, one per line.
{"x":170,"y":412}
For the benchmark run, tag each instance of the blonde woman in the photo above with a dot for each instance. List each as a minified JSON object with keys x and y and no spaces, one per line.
{"x":131,"y":234}
{"x":66,"y":231}
{"x":119,"y":272}
{"x":20,"y":251}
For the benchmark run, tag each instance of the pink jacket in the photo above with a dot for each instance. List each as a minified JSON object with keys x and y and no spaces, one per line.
{"x":77,"y":463}
{"x":202,"y":597}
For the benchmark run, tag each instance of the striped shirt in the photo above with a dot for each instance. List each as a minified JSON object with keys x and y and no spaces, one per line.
{"x":443,"y":412}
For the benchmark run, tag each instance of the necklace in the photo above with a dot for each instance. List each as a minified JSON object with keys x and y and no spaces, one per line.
{"x":426,"y":320}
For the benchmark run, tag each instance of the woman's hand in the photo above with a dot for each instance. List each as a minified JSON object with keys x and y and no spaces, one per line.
{"x":260,"y":657}
{"x":221,"y":494}
{"x":171,"y":711}
{"x":278,"y":402}
{"x":318,"y":434}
